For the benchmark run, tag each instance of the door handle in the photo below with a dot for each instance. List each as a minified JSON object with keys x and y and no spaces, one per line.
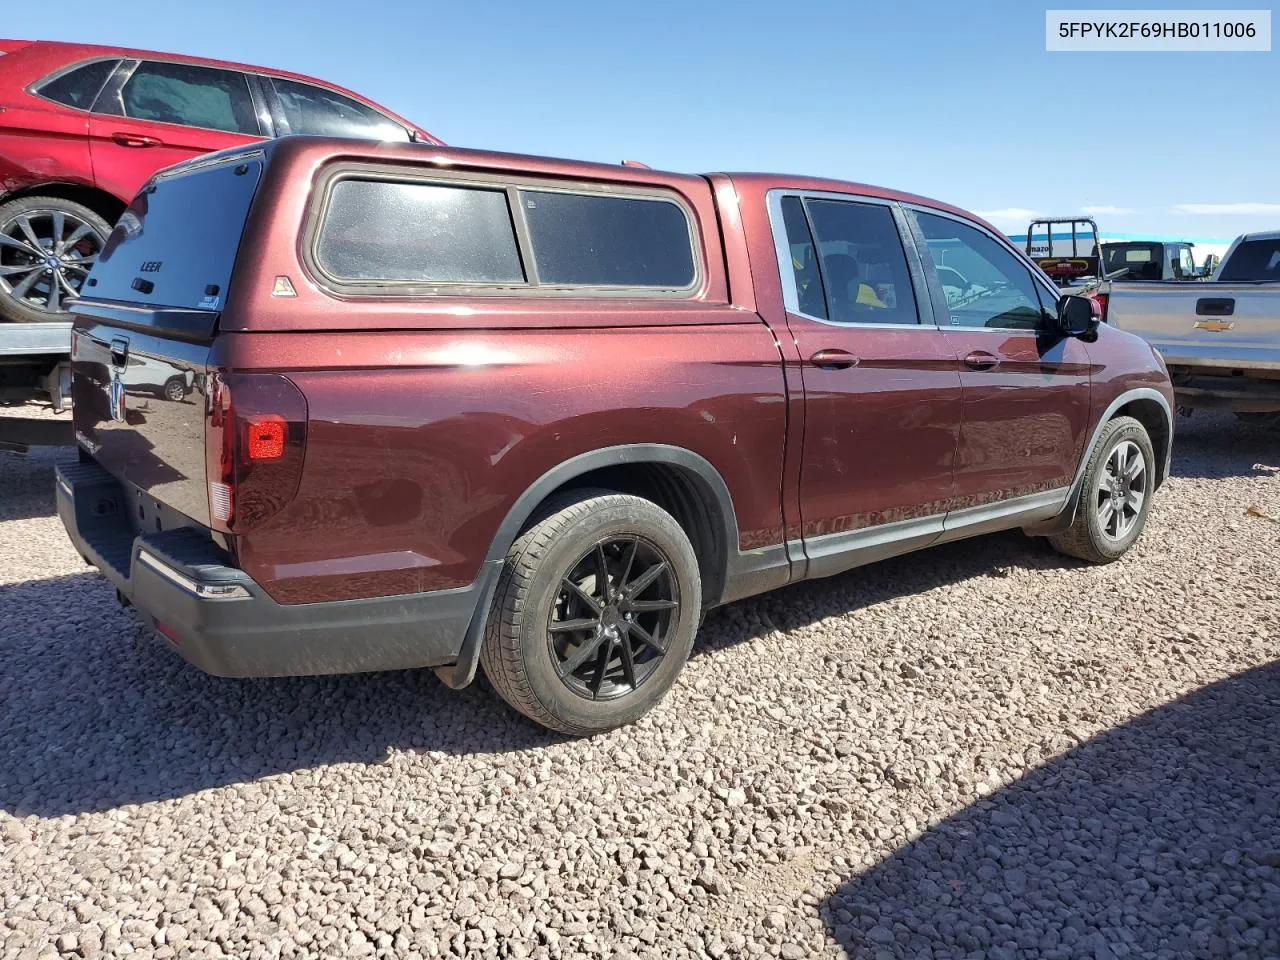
{"x":135,"y":140}
{"x":980,"y":360}
{"x":1215,"y":306}
{"x":832,"y":359}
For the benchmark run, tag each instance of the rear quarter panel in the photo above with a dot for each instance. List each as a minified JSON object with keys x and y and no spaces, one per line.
{"x":419,"y":443}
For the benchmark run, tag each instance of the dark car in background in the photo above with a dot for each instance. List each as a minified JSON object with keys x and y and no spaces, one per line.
{"x":82,"y":127}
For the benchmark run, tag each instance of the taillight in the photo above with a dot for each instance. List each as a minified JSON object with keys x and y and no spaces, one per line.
{"x":255,"y":438}
{"x":1101,"y":300}
{"x":265,"y":439}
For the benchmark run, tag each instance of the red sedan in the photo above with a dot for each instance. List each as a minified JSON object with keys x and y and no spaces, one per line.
{"x":82,"y":127}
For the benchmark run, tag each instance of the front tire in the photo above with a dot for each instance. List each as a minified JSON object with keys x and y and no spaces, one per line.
{"x":1115,"y":498}
{"x":595,"y":614}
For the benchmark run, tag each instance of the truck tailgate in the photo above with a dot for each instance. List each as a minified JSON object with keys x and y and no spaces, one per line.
{"x":145,"y":327}
{"x":139,"y":410}
{"x":1228,"y":325}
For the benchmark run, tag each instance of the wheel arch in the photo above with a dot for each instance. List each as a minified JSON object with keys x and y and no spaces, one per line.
{"x":1150,"y":408}
{"x":1157,"y":418}
{"x":685,"y":480}
{"x":682,"y":482}
{"x":106,"y":205}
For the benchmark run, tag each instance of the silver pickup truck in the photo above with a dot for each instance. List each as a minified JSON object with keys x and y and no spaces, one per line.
{"x":1220,"y":337}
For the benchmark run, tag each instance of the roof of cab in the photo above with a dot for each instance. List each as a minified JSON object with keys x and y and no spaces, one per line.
{"x":783,"y":181}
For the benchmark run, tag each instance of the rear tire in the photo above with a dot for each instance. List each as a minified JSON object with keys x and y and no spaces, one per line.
{"x":580,"y":653}
{"x":29,"y":295}
{"x":1115,"y":498}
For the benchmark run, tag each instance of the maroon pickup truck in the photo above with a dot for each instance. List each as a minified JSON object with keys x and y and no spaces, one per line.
{"x":453,"y":408}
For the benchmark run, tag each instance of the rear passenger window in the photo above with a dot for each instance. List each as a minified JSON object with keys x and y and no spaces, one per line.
{"x":603,"y":241}
{"x":309,"y":109}
{"x":863,"y":266}
{"x":804,"y":259}
{"x":377,"y":230}
{"x":79,"y":87}
{"x":192,"y":96}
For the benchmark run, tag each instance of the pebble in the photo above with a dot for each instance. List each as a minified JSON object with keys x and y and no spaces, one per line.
{"x":982,"y":749}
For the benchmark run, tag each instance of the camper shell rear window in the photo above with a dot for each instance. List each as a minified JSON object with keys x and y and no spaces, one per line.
{"x":176,"y":244}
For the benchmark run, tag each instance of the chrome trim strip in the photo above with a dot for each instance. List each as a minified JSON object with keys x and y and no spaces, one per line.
{"x":879,"y":534}
{"x":1004,"y":514}
{"x":186,"y":583}
{"x":833,"y":553}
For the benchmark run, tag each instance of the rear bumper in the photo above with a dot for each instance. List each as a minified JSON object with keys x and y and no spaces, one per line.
{"x":1220,"y":354}
{"x":223,"y":622}
{"x":1242,"y":390}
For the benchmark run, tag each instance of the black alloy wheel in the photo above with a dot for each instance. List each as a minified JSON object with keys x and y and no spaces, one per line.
{"x":610,"y":619}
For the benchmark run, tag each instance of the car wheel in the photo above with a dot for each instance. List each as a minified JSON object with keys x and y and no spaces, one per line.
{"x":47,"y":246}
{"x":175,"y":388}
{"x":1115,"y":497}
{"x":595,"y":613}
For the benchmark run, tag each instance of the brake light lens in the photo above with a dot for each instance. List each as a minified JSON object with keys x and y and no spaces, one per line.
{"x":265,"y":439}
{"x":1100,"y":308}
{"x":255,"y":437}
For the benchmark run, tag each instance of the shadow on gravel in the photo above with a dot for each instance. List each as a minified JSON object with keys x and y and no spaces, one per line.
{"x":26,"y":483}
{"x":1212,"y":446}
{"x":96,"y":712}
{"x":1160,"y":838}
{"x":802,"y":604}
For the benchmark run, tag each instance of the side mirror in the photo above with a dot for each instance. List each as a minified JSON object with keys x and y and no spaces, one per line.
{"x":1079,"y":317}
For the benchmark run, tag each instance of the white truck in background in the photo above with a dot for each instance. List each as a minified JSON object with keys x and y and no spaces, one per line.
{"x":1219,"y":337}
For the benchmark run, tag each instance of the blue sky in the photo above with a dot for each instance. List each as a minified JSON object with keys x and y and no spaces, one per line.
{"x":956,"y":101}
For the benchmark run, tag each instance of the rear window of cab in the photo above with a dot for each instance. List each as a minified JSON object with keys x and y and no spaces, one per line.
{"x":377,"y":234}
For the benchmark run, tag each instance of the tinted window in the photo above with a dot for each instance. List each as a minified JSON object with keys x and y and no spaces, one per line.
{"x":79,"y":87}
{"x":375,"y":230}
{"x":153,"y":241}
{"x":864,"y":269}
{"x":190,"y":95}
{"x":309,"y":109}
{"x":804,"y":259}
{"x":1253,"y":260}
{"x":984,"y":284}
{"x":1120,"y":255}
{"x":597,"y":240}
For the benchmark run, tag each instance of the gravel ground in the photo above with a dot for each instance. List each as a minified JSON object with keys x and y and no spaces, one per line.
{"x":983,"y":750}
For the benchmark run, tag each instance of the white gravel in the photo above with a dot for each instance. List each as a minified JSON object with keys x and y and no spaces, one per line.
{"x":983,"y":750}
